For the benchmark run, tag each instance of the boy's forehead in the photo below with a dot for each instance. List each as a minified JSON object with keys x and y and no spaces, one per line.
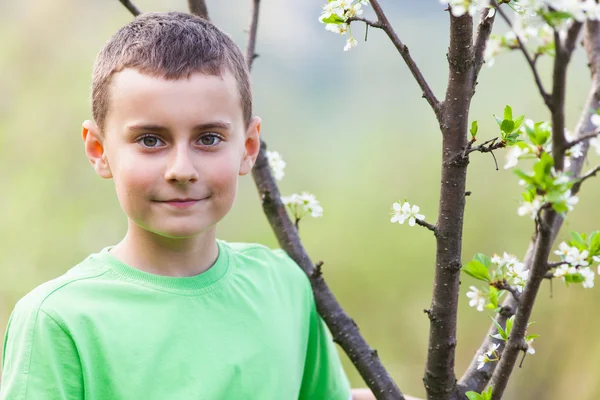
{"x":134,"y":94}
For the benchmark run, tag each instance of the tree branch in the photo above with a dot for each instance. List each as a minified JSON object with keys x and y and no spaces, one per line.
{"x":251,"y":46}
{"x":412,"y":66}
{"x":131,"y":7}
{"x":474,"y":379}
{"x":198,"y":7}
{"x":587,"y":175}
{"x":484,"y":29}
{"x":429,"y":226}
{"x":439,"y":379}
{"x":343,"y":329}
{"x":582,"y":138}
{"x":366,"y":21}
{"x":531,"y":61}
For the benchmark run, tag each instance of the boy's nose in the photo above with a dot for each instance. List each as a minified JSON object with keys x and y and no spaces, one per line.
{"x":181,"y":168}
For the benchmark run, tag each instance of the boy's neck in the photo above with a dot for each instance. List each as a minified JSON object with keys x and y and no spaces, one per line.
{"x":159,"y":255}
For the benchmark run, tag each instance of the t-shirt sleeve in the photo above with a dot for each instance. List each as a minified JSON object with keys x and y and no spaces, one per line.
{"x":40,"y":360}
{"x":324,"y":377}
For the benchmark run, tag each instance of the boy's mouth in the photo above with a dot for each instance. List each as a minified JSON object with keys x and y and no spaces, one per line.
{"x":182,"y":202}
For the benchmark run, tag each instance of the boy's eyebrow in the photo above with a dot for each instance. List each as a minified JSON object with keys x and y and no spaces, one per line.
{"x":199,"y":127}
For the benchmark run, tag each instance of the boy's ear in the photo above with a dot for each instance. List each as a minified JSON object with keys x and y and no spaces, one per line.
{"x":251,"y":146}
{"x":94,"y":149}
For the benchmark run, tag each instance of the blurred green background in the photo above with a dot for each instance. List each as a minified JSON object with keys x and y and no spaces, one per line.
{"x":353,"y":129}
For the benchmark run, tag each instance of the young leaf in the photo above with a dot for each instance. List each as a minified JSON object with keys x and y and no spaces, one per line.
{"x":507,"y":126}
{"x":501,"y":331}
{"x":482,"y":258}
{"x":509,"y":325}
{"x":477,"y":270}
{"x":578,"y":241}
{"x":508,"y":113}
{"x":574,"y":278}
{"x":594,"y":243}
{"x":487,"y":395}
{"x":474,"y":128}
{"x":531,"y":337}
{"x":474,"y":396}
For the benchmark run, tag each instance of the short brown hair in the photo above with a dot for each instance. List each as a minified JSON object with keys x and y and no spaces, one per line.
{"x":170,"y":45}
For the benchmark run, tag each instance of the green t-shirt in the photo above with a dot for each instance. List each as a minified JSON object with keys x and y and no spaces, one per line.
{"x":247,"y":328}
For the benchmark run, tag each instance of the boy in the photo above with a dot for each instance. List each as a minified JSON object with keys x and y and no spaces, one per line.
{"x":171,"y":312}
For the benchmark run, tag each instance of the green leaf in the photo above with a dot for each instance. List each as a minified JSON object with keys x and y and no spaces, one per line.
{"x":594,"y":243}
{"x":474,"y":128}
{"x":542,"y":171}
{"x":474,"y":396}
{"x":531,"y":337}
{"x":507,"y":126}
{"x":509,"y":325}
{"x":574,"y":278}
{"x":578,"y":241}
{"x":555,"y":17}
{"x":498,"y":120}
{"x":487,"y":395}
{"x":519,"y":121}
{"x":494,"y":295}
{"x":508,"y":113}
{"x":560,"y":208}
{"x":333,"y":19}
{"x":501,"y":331}
{"x":482,"y":258}
{"x":477,"y":270}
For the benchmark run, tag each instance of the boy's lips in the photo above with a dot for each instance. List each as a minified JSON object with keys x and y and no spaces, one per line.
{"x":182,"y":202}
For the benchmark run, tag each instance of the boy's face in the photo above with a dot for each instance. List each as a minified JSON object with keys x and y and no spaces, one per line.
{"x":170,"y":140}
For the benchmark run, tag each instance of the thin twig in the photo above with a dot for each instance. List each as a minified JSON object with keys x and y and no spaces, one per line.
{"x":585,"y":177}
{"x":583,"y":138}
{"x":366,"y":21}
{"x":531,"y":61}
{"x":251,"y":46}
{"x":343,"y":329}
{"x":131,"y":7}
{"x":198,"y":7}
{"x":429,"y":226}
{"x":412,"y":66}
{"x":503,"y":285}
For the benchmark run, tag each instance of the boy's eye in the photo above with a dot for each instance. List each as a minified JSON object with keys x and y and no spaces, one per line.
{"x":149,"y":141}
{"x":210,"y":140}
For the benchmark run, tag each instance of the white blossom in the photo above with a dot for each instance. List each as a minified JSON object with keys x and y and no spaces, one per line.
{"x":595,"y":119}
{"x":481,"y":360}
{"x":404,"y":211}
{"x":570,"y":200}
{"x":493,"y":47}
{"x":276,"y":163}
{"x":512,"y":157}
{"x":492,"y":349}
{"x":350,"y":43}
{"x":478,"y":299}
{"x":576,"y":257}
{"x":530,"y":348}
{"x":564,"y":269}
{"x":518,"y":275}
{"x":530,"y":208}
{"x":340,"y":29}
{"x":342,"y":10}
{"x":303,"y":204}
{"x":505,"y":260}
{"x":595,"y":143}
{"x":572,"y":255}
{"x":588,"y":274}
{"x":596,"y":259}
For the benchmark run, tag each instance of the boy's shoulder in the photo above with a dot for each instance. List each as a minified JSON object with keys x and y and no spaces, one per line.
{"x":52,"y":290}
{"x":265,"y":259}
